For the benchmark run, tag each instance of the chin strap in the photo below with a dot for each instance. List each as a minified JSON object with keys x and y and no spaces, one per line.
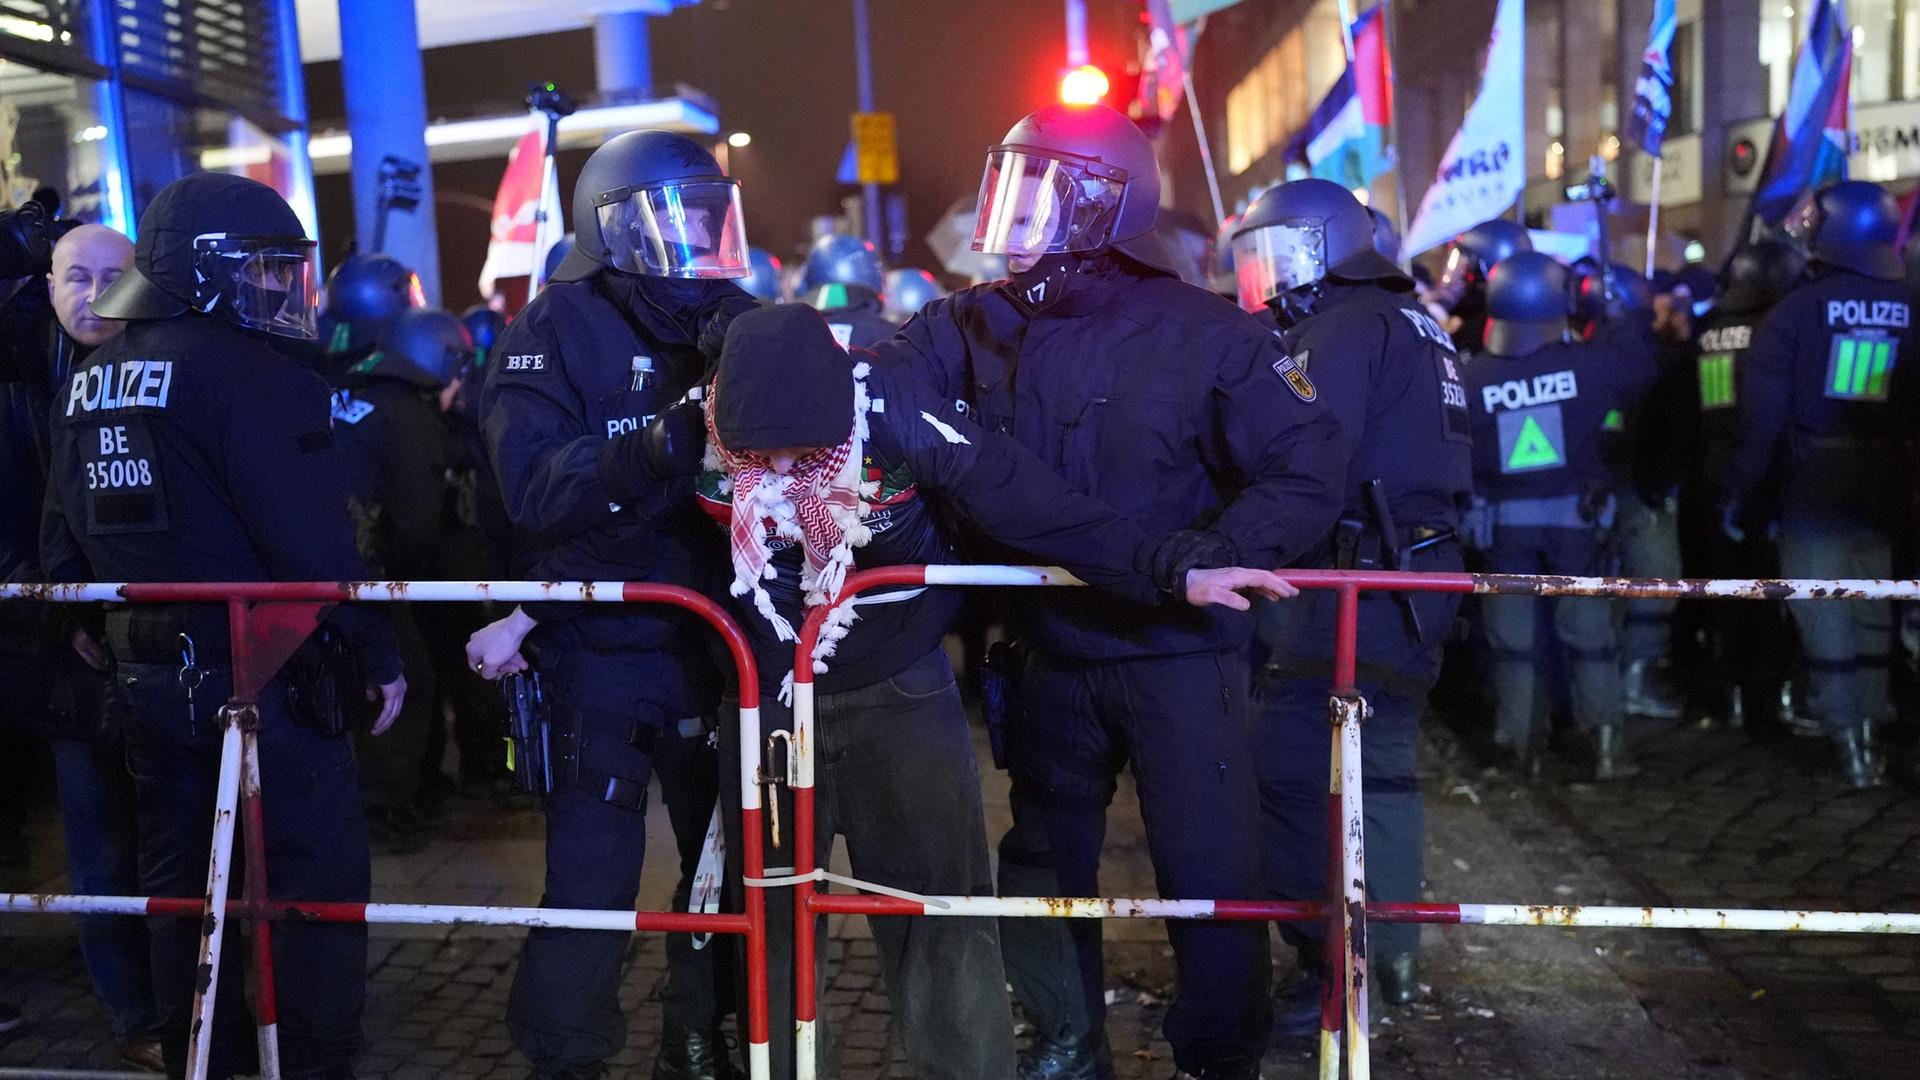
{"x":1291,"y":307}
{"x":1044,"y":285}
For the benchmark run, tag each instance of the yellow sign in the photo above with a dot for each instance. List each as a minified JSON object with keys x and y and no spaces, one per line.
{"x":874,"y":149}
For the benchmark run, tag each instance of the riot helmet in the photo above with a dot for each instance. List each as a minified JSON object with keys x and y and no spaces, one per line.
{"x":484,"y":327}
{"x":909,"y":290}
{"x":656,"y":203}
{"x":1596,"y":299}
{"x":1475,"y":252}
{"x":1758,"y":275}
{"x":1854,"y":226}
{"x":1526,"y":304}
{"x":1386,"y":238}
{"x":842,"y":271}
{"x":764,"y":281}
{"x":1071,"y":179}
{"x":364,"y":294}
{"x":1297,"y":235}
{"x":224,"y":246}
{"x":557,"y":253}
{"x":423,"y":346}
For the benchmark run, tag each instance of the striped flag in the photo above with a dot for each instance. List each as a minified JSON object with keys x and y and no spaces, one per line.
{"x":1810,"y":139}
{"x":1163,"y":73}
{"x":1653,"y":92}
{"x":1345,"y":140}
{"x":518,"y":243}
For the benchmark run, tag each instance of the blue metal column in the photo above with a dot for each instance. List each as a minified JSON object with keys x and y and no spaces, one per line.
{"x":293,"y":106}
{"x":109,"y":103}
{"x":623,"y":54}
{"x":387,"y":114}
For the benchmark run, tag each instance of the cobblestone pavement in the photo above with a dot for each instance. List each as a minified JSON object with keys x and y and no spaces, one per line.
{"x":1714,"y":820}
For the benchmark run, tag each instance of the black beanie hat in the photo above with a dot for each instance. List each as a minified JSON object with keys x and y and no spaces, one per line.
{"x":783,"y":381}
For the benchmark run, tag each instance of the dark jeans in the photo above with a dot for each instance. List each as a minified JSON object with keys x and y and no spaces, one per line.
{"x":1183,"y":724}
{"x":1846,"y":644}
{"x":1583,"y":624}
{"x":564,"y":1008}
{"x":1649,"y":541}
{"x":102,"y":834}
{"x":316,"y":847}
{"x":1291,"y":703}
{"x":896,"y":775}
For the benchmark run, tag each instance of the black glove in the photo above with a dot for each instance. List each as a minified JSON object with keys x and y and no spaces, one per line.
{"x":26,"y":247}
{"x":673,"y":444}
{"x":1189,"y":549}
{"x":714,"y":323}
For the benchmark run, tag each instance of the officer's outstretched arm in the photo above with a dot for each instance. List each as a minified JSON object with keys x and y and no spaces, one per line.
{"x":1275,"y":432}
{"x":535,"y":421}
{"x":932,"y":346}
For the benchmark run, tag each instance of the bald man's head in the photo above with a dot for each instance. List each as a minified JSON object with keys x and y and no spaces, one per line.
{"x":85,"y":262}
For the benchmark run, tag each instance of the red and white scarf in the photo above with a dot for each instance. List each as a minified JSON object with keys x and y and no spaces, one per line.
{"x":817,"y":502}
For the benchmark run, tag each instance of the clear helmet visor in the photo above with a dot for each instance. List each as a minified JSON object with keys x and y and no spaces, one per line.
{"x":692,"y":229}
{"x":263,"y":284}
{"x":1277,"y":258}
{"x":1031,"y":204}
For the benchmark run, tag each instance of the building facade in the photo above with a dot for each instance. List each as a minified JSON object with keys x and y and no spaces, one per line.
{"x":108,"y":101}
{"x":1260,"y":66}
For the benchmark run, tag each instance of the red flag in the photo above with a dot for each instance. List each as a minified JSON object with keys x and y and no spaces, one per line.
{"x":515,"y":245}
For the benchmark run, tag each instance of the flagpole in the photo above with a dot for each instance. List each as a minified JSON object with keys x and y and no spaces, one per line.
{"x":1653,"y":216}
{"x":1199,"y":128}
{"x":1388,"y":18}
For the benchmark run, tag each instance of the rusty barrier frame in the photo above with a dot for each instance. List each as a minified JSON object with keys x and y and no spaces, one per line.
{"x":1343,"y":1039}
{"x":267,"y":621}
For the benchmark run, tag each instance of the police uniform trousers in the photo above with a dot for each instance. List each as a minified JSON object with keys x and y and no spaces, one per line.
{"x":896,"y":775}
{"x":629,"y":707}
{"x":1583,"y":625}
{"x":1845,"y":645}
{"x":1183,"y":724}
{"x":1396,"y":670}
{"x":316,"y":849}
{"x":1750,"y":642}
{"x":1649,"y":541}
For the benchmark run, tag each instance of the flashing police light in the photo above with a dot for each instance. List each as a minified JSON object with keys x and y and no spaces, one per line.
{"x":1084,"y":85}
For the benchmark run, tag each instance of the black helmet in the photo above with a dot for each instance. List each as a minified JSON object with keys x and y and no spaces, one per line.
{"x":1476,"y":251}
{"x":764,"y":282}
{"x":909,"y":290}
{"x":364,"y":294}
{"x":1071,"y":178}
{"x":656,"y":203}
{"x":1632,"y":295}
{"x":1854,"y":225}
{"x":424,"y":346}
{"x":1299,"y":233}
{"x":839,"y":259}
{"x":1758,"y":275}
{"x":224,"y":246}
{"x":484,"y":327}
{"x":1526,"y":303}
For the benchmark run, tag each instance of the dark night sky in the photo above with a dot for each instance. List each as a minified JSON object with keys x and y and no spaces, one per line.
{"x":957,"y":73}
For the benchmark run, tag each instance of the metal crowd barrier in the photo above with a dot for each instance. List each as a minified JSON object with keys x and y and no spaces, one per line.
{"x":1346,"y":909}
{"x":268,"y":622}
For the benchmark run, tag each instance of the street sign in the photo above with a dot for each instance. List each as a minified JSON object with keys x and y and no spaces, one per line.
{"x":874,"y":146}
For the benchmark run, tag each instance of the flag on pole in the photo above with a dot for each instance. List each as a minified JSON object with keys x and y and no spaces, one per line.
{"x":1485,"y":165}
{"x":1653,"y":91}
{"x":1163,"y":74}
{"x":1346,"y":138}
{"x":1810,"y":139}
{"x":516,"y":244}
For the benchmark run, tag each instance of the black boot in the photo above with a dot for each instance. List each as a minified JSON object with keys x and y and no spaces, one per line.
{"x":1396,"y":976}
{"x":692,"y":1055}
{"x":1611,"y":761}
{"x":1645,"y":693}
{"x":1089,"y":1058}
{"x":1859,"y":766}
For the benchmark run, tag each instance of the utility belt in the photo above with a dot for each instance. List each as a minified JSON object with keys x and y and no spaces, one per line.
{"x":548,"y":753}
{"x":1578,"y":511}
{"x":323,"y":680}
{"x":1359,"y":546}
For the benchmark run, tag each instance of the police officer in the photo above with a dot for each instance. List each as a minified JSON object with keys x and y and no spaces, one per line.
{"x":1307,"y":251}
{"x":1752,"y":641}
{"x":1462,"y":287}
{"x":1146,"y":393}
{"x":1826,"y":391}
{"x":364,"y":294}
{"x":388,"y":417}
{"x":909,"y":290}
{"x":764,"y":281}
{"x":844,"y":281}
{"x":192,"y":448}
{"x":1645,"y":447}
{"x":575,"y":410}
{"x":1539,"y":403}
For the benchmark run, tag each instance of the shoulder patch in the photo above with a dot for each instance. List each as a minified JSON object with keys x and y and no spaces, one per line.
{"x":348,"y":409}
{"x":1295,"y":376}
{"x":524,"y":362}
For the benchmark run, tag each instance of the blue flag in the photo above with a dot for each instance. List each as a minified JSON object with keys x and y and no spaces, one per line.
{"x":1809,"y":147}
{"x":1653,"y":91}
